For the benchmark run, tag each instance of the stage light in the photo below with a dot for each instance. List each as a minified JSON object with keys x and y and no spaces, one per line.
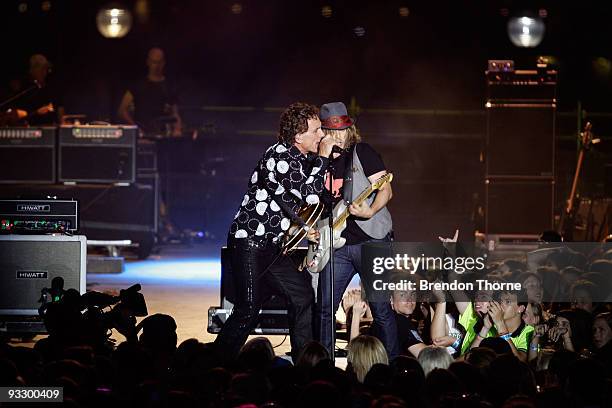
{"x":326,"y":11}
{"x":359,"y":31}
{"x":404,"y":12}
{"x":525,"y":31}
{"x":602,"y":67}
{"x":236,"y":8}
{"x":114,"y":21}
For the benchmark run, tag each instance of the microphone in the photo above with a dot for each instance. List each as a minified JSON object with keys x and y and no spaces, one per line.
{"x":337,"y":149}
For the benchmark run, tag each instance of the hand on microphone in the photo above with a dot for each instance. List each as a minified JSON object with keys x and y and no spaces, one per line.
{"x":326,"y":146}
{"x":336,"y":152}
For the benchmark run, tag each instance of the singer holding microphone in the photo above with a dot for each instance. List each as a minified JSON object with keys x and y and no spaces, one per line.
{"x":290,"y":173}
{"x":354,"y":170}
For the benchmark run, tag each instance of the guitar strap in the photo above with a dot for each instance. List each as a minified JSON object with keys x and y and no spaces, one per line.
{"x":290,"y":213}
{"x":347,"y":184}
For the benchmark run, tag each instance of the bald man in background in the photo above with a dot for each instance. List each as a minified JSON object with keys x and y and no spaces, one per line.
{"x":151,"y":103}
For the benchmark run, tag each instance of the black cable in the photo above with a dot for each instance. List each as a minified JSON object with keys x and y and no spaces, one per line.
{"x":281,"y":343}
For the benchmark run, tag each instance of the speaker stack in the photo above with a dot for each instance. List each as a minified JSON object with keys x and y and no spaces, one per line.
{"x":519,"y":151}
{"x":28,"y":265}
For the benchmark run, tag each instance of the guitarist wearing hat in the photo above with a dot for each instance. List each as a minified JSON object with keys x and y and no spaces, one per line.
{"x":290,"y":173}
{"x":355,"y":170}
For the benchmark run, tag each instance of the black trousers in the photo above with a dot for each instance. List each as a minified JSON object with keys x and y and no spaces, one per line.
{"x":254,"y":285}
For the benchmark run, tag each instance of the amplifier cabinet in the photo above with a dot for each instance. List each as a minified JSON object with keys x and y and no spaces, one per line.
{"x":97,"y":154}
{"x":519,"y":206}
{"x":28,"y":263}
{"x":120,"y":208}
{"x":27,"y":155}
{"x":520,"y":141}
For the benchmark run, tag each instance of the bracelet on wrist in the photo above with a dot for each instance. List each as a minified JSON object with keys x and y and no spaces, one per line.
{"x":506,"y":336}
{"x":456,"y":344}
{"x":534,"y":347}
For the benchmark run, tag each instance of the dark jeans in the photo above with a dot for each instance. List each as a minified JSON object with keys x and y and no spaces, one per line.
{"x":254,"y":285}
{"x":347,"y":262}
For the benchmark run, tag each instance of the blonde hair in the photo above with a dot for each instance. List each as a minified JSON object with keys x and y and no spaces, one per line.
{"x":363,"y":352}
{"x":352,"y":135}
{"x":434,"y":357}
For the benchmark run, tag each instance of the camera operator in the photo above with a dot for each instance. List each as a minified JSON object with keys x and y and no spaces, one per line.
{"x":73,"y":319}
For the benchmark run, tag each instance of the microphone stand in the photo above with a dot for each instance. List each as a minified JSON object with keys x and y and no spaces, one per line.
{"x":331,"y":260}
{"x":20,"y":94}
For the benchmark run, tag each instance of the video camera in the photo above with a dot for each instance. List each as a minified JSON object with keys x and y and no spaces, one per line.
{"x":67,"y":313}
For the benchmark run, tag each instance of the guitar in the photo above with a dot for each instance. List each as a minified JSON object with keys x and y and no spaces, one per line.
{"x":318,"y":254}
{"x":16,"y":116}
{"x":309,"y":214}
{"x":586,"y":141}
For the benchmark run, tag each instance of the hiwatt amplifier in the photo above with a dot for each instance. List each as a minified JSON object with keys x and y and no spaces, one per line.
{"x":97,"y":154}
{"x":27,"y":155}
{"x":39,"y":216}
{"x":28,"y":264}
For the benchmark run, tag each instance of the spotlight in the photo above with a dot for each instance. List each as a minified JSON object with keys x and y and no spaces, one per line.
{"x":602,"y":67}
{"x":326,"y":11}
{"x":404,"y":12}
{"x":114,"y":21}
{"x":236,"y":8}
{"x":526,"y":31}
{"x":359,"y":31}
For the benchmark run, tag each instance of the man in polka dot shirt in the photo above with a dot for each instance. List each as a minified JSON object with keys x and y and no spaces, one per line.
{"x":290,"y":173}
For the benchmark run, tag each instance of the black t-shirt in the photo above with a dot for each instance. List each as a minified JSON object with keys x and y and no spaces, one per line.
{"x":372,"y":163}
{"x":407,"y":333}
{"x":152,"y":102}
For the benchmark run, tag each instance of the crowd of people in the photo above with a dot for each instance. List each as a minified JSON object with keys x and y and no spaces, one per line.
{"x":556,"y":353}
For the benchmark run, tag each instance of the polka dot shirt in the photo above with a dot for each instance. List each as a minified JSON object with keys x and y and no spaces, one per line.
{"x":283,"y":175}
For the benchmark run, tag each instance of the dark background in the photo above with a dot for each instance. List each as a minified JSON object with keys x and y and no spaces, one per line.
{"x":417,"y":84}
